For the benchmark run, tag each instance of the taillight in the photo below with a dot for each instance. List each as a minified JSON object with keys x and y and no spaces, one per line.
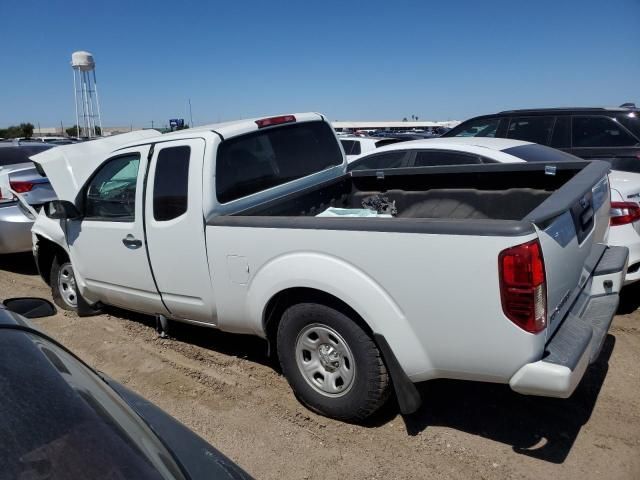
{"x":20,"y":186}
{"x":522,"y":286}
{"x":268,"y":122}
{"x":623,"y":213}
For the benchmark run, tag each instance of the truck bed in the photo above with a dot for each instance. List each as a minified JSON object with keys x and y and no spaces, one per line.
{"x":486,"y":192}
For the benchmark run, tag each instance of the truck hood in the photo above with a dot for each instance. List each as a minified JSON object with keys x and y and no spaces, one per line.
{"x":69,"y":166}
{"x":627,"y":184}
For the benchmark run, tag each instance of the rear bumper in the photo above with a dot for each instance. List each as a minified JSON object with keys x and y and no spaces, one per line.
{"x":15,"y":230}
{"x":577,"y":342}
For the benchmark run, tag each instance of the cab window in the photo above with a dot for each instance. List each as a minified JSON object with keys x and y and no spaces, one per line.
{"x":171,"y":183}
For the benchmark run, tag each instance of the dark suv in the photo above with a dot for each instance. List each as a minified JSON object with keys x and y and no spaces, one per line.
{"x":611,"y":134}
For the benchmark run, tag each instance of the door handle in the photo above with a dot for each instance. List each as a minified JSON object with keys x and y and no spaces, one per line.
{"x":131,"y":242}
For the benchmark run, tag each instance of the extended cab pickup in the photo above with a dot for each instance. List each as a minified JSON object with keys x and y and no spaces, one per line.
{"x":495,"y":273}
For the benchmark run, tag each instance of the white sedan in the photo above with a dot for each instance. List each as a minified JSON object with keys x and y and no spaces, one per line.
{"x":625,"y":186}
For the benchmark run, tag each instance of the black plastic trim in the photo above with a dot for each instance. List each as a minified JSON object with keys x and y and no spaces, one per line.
{"x":409,"y":399}
{"x":612,"y":261}
{"x":476,"y":227}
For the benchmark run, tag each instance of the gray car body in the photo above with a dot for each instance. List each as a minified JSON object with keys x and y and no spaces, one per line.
{"x":16,"y":217}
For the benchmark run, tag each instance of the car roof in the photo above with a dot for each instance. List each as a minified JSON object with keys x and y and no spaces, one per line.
{"x":565,"y":110}
{"x":497,"y":144}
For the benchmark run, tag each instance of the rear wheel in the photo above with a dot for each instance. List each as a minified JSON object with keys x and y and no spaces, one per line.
{"x":63,"y":284}
{"x":331,"y":363}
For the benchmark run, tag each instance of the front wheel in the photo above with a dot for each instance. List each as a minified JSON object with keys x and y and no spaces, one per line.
{"x":63,"y":284}
{"x":331,"y":363}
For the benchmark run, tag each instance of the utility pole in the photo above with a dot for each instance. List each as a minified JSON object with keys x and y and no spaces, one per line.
{"x":61,"y":129}
{"x":190,"y":115}
{"x":151,"y":124}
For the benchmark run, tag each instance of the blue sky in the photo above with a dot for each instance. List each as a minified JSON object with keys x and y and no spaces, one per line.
{"x":373,"y":60}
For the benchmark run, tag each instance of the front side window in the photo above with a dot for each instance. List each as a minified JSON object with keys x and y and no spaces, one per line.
{"x":264,"y":159}
{"x":600,"y":131}
{"x":482,"y":127}
{"x":436,"y":158}
{"x":171,"y":183}
{"x":111,"y":193}
{"x":531,"y":129}
{"x":380,"y":161}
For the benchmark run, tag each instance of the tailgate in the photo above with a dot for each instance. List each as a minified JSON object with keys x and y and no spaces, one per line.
{"x":573,"y":226}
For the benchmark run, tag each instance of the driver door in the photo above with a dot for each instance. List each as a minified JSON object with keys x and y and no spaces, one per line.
{"x":107,"y":245}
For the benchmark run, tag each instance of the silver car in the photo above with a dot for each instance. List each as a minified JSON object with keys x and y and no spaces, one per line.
{"x":22,"y":192}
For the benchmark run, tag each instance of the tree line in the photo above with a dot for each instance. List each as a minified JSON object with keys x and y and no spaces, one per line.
{"x":24,"y":130}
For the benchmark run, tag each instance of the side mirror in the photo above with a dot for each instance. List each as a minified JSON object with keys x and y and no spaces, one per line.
{"x":30,"y":307}
{"x":61,"y":210}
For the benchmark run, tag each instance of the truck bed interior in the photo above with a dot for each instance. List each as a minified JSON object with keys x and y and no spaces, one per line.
{"x":450,"y":193}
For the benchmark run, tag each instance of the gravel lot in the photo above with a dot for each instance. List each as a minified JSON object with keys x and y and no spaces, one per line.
{"x":226,"y":389}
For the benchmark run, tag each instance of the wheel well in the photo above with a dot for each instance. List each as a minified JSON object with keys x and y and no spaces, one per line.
{"x":47,"y":251}
{"x":292,"y":296}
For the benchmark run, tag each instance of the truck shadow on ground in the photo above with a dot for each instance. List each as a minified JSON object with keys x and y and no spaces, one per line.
{"x":542,"y":428}
{"x":248,"y":347}
{"x":629,"y":299}
{"x":20,"y":263}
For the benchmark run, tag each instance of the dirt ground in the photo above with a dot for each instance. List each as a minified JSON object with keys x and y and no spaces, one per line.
{"x":226,"y":389}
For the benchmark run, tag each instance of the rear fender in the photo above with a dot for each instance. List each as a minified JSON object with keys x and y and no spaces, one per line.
{"x":349,"y":284}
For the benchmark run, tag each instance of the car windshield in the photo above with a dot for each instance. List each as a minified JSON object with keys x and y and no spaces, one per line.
{"x":14,"y":155}
{"x":481,"y":127}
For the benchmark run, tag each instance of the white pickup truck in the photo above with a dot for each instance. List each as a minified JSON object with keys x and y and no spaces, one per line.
{"x":493,"y":273}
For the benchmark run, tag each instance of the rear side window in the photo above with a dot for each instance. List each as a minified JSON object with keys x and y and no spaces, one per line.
{"x":631,"y":121}
{"x":599,"y":131}
{"x":540,"y":153}
{"x":436,"y":158}
{"x":264,"y":159}
{"x":171,"y":183}
{"x":351,"y":147}
{"x":531,"y":129}
{"x":380,"y":160}
{"x":482,"y":127}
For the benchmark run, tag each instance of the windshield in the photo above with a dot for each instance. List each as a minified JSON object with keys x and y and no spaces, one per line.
{"x":481,"y":127}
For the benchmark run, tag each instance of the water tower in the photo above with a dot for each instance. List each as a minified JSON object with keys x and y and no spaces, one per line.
{"x":85,"y":91}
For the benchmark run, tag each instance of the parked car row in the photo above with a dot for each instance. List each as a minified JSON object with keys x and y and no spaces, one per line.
{"x":625,"y":227}
{"x":22,"y":191}
{"x":352,"y":278}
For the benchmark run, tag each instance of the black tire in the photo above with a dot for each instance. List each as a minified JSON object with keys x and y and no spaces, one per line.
{"x":368,"y":388}
{"x":60,"y":298}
